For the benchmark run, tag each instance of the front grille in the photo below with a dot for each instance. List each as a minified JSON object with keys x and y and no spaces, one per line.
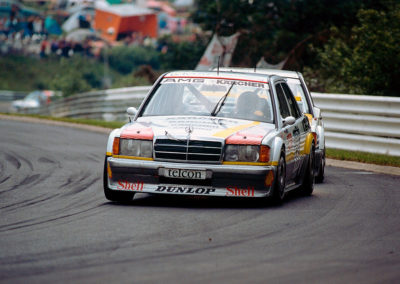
{"x":192,"y":150}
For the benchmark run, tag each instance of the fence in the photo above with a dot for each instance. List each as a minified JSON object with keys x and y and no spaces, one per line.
{"x":360,"y":123}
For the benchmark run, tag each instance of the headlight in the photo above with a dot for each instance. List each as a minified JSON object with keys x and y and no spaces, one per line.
{"x":246,"y":153}
{"x":137,"y":148}
{"x":242,"y":153}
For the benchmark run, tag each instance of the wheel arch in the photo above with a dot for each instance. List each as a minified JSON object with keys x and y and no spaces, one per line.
{"x":308,"y":143}
{"x":278,"y":147}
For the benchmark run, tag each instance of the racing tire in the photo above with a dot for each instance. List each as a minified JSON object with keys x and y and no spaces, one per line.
{"x":278,"y":191}
{"x":319,"y":178}
{"x":307,"y":187}
{"x":113,"y":195}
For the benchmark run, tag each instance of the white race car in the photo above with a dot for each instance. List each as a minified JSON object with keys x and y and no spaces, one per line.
{"x":212,"y":134}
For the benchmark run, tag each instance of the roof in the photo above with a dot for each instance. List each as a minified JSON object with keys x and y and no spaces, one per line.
{"x":219,"y":75}
{"x":282,"y":73}
{"x":126,"y":10}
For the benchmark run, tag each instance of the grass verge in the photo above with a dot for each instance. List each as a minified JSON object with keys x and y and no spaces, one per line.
{"x":100,"y":123}
{"x":363,"y":157}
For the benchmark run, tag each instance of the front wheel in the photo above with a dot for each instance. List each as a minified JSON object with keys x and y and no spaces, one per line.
{"x":278,"y":193}
{"x":113,"y":195}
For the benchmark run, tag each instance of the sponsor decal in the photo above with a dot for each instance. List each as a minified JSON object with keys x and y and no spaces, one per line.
{"x":185,"y":190}
{"x":130,"y":186}
{"x":240,"y":83}
{"x":236,"y":191}
{"x":182,"y":80}
{"x":216,"y":80}
{"x":186,"y":174}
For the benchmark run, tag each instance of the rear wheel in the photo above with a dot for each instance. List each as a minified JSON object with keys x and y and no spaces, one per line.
{"x":307,"y":187}
{"x":321,"y":170}
{"x":113,"y":195}
{"x":278,"y":193}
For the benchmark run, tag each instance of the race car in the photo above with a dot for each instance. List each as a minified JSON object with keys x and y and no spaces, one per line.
{"x":212,"y":134}
{"x":303,"y":97}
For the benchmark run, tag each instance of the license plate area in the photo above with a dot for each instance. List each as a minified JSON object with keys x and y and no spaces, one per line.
{"x":196,"y":174}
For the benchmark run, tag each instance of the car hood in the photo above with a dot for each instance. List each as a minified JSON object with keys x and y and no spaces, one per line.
{"x":233,"y":131}
{"x":25,"y":103}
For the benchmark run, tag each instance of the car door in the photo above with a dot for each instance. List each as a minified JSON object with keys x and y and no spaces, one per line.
{"x":288,"y":132}
{"x":299,"y":134}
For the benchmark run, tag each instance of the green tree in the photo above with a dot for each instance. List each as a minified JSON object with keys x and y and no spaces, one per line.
{"x":272,"y":28}
{"x":126,"y":59}
{"x":77,"y":74}
{"x":181,"y":55}
{"x":367,"y":61}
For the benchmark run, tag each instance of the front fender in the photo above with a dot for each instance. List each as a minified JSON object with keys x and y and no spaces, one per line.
{"x":276,"y":148}
{"x":113,"y":134}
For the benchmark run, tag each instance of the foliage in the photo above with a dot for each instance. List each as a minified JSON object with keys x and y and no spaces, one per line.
{"x":181,"y":55}
{"x":69,"y":75}
{"x":272,"y":28}
{"x":126,"y":59}
{"x":21,"y":73}
{"x":363,"y":157}
{"x":366,"y":60}
{"x":70,"y":81}
{"x":129,"y":81}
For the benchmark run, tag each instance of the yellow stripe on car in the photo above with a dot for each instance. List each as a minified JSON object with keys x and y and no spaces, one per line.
{"x":229,"y":131}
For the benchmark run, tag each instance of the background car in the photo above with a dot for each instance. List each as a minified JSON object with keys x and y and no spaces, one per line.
{"x":34,"y":100}
{"x":303,"y":97}
{"x":212,"y":134}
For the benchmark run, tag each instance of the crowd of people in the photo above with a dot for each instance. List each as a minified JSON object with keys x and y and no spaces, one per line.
{"x":29,"y":34}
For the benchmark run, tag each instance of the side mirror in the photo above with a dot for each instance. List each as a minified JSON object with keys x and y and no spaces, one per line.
{"x":317,"y":112}
{"x":290,"y":120}
{"x":132,"y":111}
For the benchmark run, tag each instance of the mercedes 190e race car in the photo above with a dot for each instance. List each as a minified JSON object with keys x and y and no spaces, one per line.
{"x":212,"y":134}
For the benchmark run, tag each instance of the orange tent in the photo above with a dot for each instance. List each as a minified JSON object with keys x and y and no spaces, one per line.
{"x":114,"y":20}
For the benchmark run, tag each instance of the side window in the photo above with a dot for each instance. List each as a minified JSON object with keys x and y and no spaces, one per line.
{"x":298,"y":92}
{"x":293,"y":107}
{"x":283,"y":105}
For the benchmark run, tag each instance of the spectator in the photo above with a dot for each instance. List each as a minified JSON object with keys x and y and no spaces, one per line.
{"x":38,"y":25}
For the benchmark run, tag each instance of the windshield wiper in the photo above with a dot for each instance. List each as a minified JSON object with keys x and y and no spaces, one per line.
{"x":221,"y":102}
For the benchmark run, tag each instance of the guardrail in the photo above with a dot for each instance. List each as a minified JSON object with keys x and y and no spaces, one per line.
{"x":109,"y":105}
{"x":352,"y":122}
{"x":8,"y":96}
{"x":361,"y":123}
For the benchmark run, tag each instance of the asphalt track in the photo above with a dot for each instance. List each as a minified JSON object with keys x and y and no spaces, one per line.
{"x":57,"y":227}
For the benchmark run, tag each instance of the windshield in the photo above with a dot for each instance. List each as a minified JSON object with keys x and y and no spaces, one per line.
{"x":231,"y":98}
{"x":34,"y":96}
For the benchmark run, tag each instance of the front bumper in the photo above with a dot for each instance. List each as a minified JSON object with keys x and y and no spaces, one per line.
{"x":221,"y":180}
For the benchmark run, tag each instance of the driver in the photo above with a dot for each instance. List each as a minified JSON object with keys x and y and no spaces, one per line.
{"x":250,"y":106}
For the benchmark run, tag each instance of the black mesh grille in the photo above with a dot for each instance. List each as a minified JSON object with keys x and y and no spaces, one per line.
{"x":207,"y":151}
